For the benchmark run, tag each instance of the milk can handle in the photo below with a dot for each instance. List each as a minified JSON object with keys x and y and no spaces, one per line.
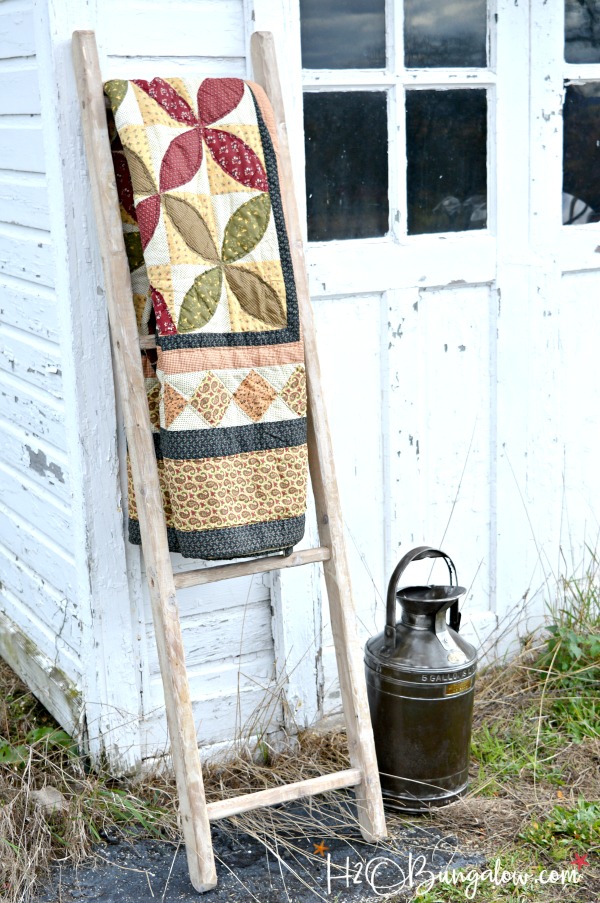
{"x":417,"y":554}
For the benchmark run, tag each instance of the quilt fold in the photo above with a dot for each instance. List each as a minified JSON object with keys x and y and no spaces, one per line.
{"x":196,"y":171}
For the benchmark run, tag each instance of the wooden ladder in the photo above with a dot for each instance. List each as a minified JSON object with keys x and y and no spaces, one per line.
{"x":196,"y":815}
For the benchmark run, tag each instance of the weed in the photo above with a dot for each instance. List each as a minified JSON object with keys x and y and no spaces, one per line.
{"x":565,"y":830}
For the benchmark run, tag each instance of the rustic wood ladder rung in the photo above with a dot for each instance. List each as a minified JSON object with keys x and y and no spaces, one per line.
{"x":196,"y":815}
{"x":255,"y":566}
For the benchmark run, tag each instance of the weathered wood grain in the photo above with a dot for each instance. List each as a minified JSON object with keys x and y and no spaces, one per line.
{"x":143,"y":462}
{"x":237,"y":804}
{"x":256,"y":566}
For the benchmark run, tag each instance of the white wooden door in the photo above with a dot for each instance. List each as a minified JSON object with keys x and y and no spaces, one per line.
{"x":437,"y":289}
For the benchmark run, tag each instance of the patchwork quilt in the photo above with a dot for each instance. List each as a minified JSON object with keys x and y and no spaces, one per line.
{"x":196,"y":171}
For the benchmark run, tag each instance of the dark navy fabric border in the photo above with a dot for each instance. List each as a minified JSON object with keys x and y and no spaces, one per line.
{"x":276,"y":336}
{"x":231,"y":542}
{"x":232,"y":440}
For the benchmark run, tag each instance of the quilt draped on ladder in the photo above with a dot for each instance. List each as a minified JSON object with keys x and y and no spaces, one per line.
{"x":212,"y":277}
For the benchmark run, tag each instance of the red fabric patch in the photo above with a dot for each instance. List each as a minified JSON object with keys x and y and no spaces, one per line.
{"x":217,"y":97}
{"x":182,"y":160}
{"x":163,"y":317}
{"x":148,"y":213}
{"x":236,"y":158}
{"x":166,"y":96}
{"x":124,"y":186}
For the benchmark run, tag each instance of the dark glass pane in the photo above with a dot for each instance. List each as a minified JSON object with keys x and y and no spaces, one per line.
{"x":581,"y":154}
{"x":343,"y":34}
{"x":446,"y":137}
{"x":346,"y":142}
{"x":445,"y":34}
{"x":582,"y":31}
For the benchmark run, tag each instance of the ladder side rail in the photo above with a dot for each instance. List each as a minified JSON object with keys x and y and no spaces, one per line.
{"x":126,"y":356}
{"x":322,"y":470}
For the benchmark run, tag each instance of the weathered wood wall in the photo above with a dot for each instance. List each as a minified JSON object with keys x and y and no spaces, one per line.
{"x":39,"y":626}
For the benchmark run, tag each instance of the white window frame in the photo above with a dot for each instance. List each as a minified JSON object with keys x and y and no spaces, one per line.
{"x":364,"y":265}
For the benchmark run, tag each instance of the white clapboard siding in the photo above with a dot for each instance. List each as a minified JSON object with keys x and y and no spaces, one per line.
{"x":36,"y":505}
{"x":26,"y":253}
{"x":33,"y":360}
{"x":34,"y":411}
{"x":21,"y":143}
{"x":40,"y":620}
{"x":229,"y":719}
{"x":45,"y":466}
{"x":59,"y":691}
{"x":29,"y":307}
{"x":19,"y":91}
{"x":16,"y":28}
{"x":224,"y":679}
{"x":24,"y":199}
{"x":227,"y":636}
{"x":53,"y":563}
{"x":54,"y":629}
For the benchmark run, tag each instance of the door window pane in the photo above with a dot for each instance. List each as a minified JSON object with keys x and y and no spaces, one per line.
{"x":446,"y":139}
{"x":581,"y":154}
{"x":582,"y":31}
{"x":343,"y":34}
{"x":346,"y":141}
{"x":445,"y":34}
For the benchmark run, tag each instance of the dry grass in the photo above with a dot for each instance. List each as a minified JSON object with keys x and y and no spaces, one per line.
{"x":536,"y":752}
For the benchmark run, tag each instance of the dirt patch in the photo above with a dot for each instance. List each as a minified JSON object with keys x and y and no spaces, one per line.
{"x":283,"y":868}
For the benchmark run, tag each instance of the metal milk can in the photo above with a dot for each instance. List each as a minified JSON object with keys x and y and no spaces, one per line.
{"x":420,"y":682}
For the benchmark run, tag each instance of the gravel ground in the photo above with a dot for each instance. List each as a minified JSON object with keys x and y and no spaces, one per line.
{"x":339,"y":869}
